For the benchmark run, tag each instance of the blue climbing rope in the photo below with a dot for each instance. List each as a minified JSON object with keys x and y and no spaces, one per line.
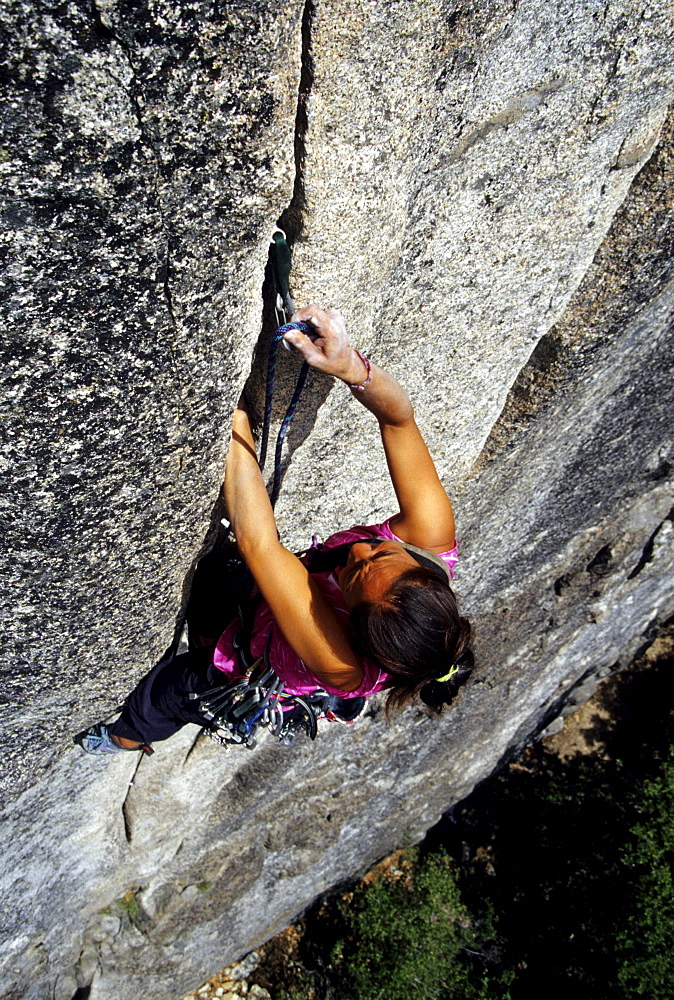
{"x":292,"y":406}
{"x":281,"y":259}
{"x":277,"y":337}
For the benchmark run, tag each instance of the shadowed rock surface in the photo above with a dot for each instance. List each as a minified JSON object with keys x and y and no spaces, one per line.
{"x":487,"y":194}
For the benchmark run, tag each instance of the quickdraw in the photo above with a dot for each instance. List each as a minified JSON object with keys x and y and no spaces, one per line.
{"x":257,"y":700}
{"x":237,"y":711}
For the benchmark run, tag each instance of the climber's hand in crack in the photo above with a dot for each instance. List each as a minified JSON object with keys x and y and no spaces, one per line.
{"x":329,"y":351}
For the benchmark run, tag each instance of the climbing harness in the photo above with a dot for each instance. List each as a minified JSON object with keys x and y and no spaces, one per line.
{"x":240,"y":706}
{"x":237,"y":710}
{"x":284,"y":308}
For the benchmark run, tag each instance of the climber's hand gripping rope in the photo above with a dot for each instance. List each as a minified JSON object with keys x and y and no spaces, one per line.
{"x":327,"y":348}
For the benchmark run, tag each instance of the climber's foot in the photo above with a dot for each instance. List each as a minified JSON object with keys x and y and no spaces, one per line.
{"x":98,"y":740}
{"x":125,"y":744}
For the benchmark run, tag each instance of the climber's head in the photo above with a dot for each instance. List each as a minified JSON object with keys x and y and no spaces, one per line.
{"x":405,"y":617}
{"x":371,"y":569}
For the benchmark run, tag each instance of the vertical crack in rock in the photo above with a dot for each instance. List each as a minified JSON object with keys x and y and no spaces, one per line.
{"x":104,"y":31}
{"x":128,"y":828}
{"x":101,"y":28}
{"x":195,"y":742}
{"x":291,"y":219}
{"x":612,"y":73}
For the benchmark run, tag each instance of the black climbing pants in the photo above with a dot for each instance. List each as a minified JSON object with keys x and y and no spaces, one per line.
{"x":160,"y":703}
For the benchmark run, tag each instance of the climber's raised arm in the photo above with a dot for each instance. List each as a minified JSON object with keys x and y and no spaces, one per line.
{"x":309,"y":625}
{"x":426,"y":517}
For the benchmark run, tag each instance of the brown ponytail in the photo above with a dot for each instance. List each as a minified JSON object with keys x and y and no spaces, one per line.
{"x":415,"y":634}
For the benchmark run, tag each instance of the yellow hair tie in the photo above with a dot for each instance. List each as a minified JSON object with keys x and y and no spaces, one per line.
{"x":454,"y":669}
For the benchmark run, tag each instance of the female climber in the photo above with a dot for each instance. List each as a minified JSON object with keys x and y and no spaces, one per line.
{"x":371,"y":609}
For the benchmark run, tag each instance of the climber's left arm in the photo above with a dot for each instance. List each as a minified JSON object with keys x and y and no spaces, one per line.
{"x":307,"y":622}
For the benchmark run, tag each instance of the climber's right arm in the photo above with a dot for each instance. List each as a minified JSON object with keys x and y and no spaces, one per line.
{"x":426,"y":517}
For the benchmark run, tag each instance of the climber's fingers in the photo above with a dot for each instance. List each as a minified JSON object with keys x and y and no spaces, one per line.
{"x":329,"y":351}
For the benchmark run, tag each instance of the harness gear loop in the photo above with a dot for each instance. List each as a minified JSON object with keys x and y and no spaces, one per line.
{"x":237,"y":711}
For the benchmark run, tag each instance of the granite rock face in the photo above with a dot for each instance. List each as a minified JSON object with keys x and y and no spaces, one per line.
{"x":486,"y":192}
{"x":145,"y":158}
{"x":463,"y":164}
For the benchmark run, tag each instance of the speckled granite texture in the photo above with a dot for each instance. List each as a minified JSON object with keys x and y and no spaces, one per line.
{"x":486,"y":191}
{"x":145,"y":156}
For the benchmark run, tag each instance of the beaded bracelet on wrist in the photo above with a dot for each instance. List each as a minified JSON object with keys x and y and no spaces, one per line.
{"x":368,"y":378}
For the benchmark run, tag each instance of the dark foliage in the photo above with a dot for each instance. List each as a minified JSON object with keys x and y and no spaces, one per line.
{"x":576,"y":858}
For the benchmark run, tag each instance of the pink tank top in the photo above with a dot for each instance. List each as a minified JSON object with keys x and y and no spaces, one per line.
{"x":294,"y":673}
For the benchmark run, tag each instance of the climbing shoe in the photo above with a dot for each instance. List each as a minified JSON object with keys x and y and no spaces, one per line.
{"x":344,"y":710}
{"x":97,"y":740}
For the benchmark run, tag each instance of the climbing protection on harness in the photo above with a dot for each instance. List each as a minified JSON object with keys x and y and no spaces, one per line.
{"x":284,"y":308}
{"x":257,"y":700}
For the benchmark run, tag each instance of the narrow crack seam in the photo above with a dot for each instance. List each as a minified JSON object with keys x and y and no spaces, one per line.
{"x":128,"y":829}
{"x":291,"y":219}
{"x":105,"y":32}
{"x":168,"y":295}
